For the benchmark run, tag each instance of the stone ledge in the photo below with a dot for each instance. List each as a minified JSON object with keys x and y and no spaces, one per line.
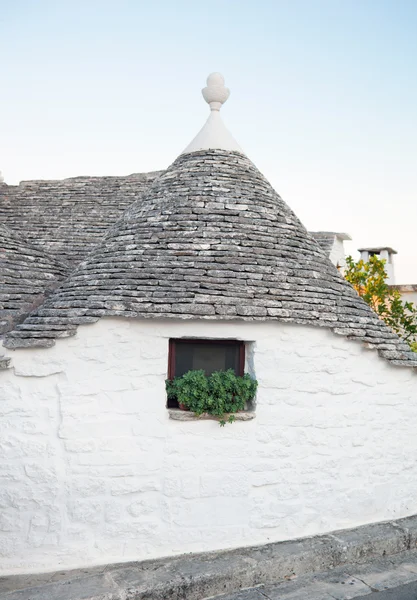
{"x":186,"y":415}
{"x":198,"y":576}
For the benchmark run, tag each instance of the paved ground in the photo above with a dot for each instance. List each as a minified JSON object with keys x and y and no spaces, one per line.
{"x":393,"y":578}
{"x":405,"y":592}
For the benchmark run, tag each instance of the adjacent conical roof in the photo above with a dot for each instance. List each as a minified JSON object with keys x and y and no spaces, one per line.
{"x":68,"y":217}
{"x":27,"y":275}
{"x":210,"y":239}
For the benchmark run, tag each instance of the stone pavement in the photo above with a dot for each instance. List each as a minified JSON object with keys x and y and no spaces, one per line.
{"x":340,"y":565}
{"x":405,"y":592}
{"x":395,"y":578}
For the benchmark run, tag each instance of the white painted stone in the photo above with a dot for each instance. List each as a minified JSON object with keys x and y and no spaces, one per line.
{"x":337,"y":253}
{"x":93,"y":470}
{"x":214,"y":134}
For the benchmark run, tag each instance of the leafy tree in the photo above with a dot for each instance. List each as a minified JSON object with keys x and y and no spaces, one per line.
{"x":370,"y":281}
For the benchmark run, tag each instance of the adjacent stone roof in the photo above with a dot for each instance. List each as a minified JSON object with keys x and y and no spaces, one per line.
{"x":326,"y":239}
{"x":210,"y":239}
{"x":27,"y":276}
{"x":67,"y":218}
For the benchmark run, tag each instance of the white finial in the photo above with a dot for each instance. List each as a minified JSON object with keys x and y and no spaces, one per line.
{"x":214,"y":134}
{"x":215,"y":94}
{"x":1,"y":177}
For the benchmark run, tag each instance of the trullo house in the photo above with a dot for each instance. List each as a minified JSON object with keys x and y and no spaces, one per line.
{"x":111,"y":285}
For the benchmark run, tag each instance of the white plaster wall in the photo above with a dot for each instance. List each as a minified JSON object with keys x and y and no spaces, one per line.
{"x":93,"y":471}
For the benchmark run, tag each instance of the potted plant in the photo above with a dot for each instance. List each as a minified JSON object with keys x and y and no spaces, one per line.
{"x":219,"y":394}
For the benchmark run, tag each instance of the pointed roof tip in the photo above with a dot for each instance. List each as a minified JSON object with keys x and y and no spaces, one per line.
{"x":215,"y":94}
{"x":214,"y":135}
{"x":1,"y":177}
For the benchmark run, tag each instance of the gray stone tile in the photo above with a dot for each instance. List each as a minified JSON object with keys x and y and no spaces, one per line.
{"x":407,"y":561}
{"x":21,"y":582}
{"x":144,"y":583}
{"x":409,"y":526}
{"x":382,"y":574}
{"x":405,"y":592}
{"x":96,"y":587}
{"x":342,"y":586}
{"x":253,"y":594}
{"x":367,"y":542}
{"x":336,"y":584}
{"x":198,"y":578}
{"x":295,"y":590}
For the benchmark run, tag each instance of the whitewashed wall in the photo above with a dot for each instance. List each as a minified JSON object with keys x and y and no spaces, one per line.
{"x":409,"y":296}
{"x":93,"y":471}
{"x":337,"y":254}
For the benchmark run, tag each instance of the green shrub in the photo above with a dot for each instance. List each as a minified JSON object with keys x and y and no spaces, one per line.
{"x":223,"y":392}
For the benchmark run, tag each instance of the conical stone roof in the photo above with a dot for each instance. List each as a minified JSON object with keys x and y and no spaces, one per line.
{"x":27,"y":276}
{"x":210,"y":239}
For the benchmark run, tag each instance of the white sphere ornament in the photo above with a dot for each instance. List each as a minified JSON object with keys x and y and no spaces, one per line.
{"x":215,"y":94}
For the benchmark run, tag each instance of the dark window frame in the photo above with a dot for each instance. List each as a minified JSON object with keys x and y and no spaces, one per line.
{"x":172,"y":351}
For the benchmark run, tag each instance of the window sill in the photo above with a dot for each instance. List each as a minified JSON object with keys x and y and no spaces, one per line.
{"x":186,"y":415}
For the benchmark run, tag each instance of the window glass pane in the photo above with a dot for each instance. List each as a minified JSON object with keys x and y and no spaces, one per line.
{"x":209,"y":357}
{"x":183,"y":359}
{"x":232,"y":358}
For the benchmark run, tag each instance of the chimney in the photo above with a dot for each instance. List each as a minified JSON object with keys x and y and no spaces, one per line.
{"x":383,"y":253}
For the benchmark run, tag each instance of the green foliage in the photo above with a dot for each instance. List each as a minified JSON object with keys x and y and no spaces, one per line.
{"x":221,"y":393}
{"x":370,"y":281}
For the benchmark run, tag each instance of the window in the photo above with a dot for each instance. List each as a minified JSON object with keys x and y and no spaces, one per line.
{"x":209,"y":355}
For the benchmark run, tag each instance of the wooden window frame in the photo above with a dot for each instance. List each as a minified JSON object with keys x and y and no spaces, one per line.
{"x":172,"y":351}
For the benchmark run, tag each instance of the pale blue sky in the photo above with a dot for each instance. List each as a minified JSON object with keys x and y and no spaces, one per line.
{"x":323,"y":98}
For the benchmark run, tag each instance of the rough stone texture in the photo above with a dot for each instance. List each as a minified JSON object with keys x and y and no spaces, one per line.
{"x":95,"y":587}
{"x":94,"y":470}
{"x":332,"y":244}
{"x":185,"y":415}
{"x":67,"y":218}
{"x":211,"y":239}
{"x":325,"y":240}
{"x":27,"y":276}
{"x":344,"y":583}
{"x":306,"y":569}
